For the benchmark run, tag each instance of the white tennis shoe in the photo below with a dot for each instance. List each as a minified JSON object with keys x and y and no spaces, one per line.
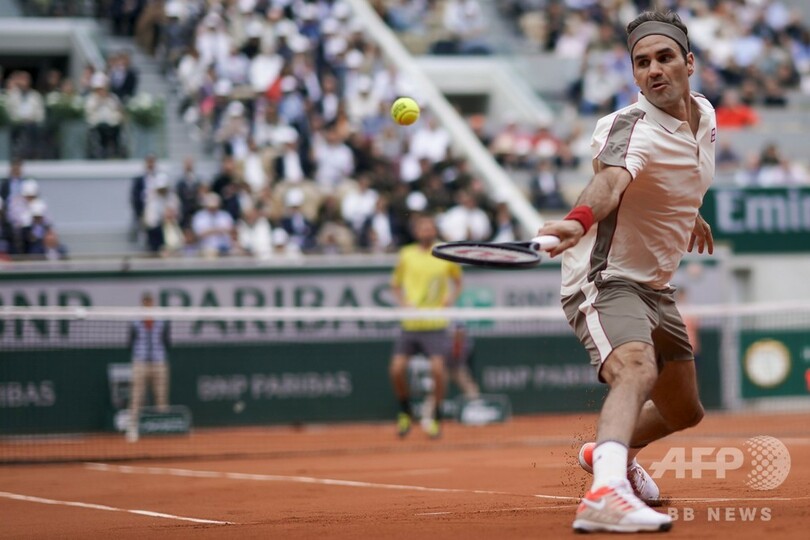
{"x":642,"y":483}
{"x":615,"y":508}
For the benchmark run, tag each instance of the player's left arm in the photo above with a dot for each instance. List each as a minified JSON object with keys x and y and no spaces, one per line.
{"x":702,"y":234}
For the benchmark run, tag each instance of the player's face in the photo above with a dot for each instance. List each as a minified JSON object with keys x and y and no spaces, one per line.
{"x":425,"y":231}
{"x":661,"y":72}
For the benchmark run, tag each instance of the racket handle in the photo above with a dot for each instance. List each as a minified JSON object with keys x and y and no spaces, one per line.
{"x":545,"y":242}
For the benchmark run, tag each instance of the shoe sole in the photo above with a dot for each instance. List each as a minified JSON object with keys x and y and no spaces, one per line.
{"x":586,"y":526}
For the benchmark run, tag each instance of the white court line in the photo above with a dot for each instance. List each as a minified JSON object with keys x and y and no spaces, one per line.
{"x":411,"y":472}
{"x":170,"y":471}
{"x":28,"y":498}
{"x":519,"y":509}
{"x":732,"y":499}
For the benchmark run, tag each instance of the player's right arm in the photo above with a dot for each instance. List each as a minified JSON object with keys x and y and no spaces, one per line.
{"x":601,"y":195}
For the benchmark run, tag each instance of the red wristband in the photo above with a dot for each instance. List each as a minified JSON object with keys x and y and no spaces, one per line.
{"x":583,"y":214}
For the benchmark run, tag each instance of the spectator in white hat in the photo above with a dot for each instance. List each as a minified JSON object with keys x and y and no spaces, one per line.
{"x":158,"y":200}
{"x":104,"y":114}
{"x":33,"y":233}
{"x":298,"y":227}
{"x":254,"y":234}
{"x":364,"y":104}
{"x":213,"y":227}
{"x":253,"y":169}
{"x":234,"y":131}
{"x":290,"y":165}
{"x":213,"y":41}
{"x":359,"y":203}
{"x":19,"y":209}
{"x":334,"y":160}
{"x":282,"y":247}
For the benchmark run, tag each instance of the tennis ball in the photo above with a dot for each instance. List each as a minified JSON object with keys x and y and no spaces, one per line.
{"x":405,"y":111}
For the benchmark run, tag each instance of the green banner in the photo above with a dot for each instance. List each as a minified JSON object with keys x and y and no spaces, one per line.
{"x":760,"y":220}
{"x":775,"y":363}
{"x":229,"y":384}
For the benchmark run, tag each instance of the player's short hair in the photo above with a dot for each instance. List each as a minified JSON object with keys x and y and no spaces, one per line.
{"x":669,"y":17}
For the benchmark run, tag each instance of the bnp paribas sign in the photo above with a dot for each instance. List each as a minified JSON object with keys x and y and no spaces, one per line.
{"x":760,"y":220}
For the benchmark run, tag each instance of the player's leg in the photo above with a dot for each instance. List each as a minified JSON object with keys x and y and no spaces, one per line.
{"x":463,"y":378}
{"x":398,"y":372}
{"x":438,"y":370}
{"x":136,"y":398}
{"x":160,"y":385}
{"x":631,"y":373}
{"x":674,"y":403}
{"x":615,"y":323}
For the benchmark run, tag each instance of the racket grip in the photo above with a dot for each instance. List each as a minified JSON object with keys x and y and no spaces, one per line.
{"x":545,"y":242}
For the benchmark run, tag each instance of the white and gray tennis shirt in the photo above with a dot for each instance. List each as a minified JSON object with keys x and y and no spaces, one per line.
{"x":645,"y":237}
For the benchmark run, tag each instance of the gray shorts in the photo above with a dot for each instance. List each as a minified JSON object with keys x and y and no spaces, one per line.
{"x":428,"y":342}
{"x":617,"y":312}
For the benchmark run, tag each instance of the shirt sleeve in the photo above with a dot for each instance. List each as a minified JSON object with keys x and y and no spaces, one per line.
{"x":619,"y":140}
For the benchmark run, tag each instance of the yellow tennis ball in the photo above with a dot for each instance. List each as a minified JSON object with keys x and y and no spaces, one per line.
{"x":405,"y":111}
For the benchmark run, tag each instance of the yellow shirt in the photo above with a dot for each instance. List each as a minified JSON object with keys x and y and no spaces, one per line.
{"x":424,"y":281}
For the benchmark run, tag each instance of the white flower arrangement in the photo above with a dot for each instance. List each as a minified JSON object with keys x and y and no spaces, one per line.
{"x":145,"y":110}
{"x":63,"y":107}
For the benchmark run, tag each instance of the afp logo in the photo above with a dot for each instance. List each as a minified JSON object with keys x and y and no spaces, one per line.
{"x":768,"y":457}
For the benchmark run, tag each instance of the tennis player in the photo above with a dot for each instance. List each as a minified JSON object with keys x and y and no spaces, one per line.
{"x":623,"y":241}
{"x":422,"y":281}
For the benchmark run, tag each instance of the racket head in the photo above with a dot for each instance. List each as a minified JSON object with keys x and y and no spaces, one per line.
{"x":489,"y":255}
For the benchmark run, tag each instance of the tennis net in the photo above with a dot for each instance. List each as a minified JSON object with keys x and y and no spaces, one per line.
{"x":234,"y":375}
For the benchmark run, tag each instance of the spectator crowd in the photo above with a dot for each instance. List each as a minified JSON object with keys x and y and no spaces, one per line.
{"x":293,"y":100}
{"x":749,"y":52}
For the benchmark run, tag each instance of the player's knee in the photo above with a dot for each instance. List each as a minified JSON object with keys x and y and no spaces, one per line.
{"x":632,"y":363}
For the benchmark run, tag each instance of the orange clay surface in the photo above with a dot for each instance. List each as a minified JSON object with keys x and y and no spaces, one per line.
{"x":516,"y":480}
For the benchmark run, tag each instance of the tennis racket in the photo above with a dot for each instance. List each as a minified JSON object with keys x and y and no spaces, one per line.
{"x":497,"y":255}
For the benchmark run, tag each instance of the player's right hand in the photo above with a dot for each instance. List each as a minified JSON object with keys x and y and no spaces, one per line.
{"x":568,"y":231}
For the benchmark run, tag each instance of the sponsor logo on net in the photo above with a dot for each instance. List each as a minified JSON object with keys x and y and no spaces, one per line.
{"x":764,"y":460}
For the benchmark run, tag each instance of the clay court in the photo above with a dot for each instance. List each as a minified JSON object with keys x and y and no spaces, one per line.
{"x":514,"y":480}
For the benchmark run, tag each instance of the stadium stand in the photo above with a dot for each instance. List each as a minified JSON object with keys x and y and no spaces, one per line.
{"x":290,"y":103}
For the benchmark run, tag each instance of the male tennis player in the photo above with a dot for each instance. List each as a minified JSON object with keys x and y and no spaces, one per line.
{"x":623,"y":241}
{"x":422,"y":281}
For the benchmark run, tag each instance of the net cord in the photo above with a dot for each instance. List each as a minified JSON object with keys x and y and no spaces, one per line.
{"x":536,"y":314}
